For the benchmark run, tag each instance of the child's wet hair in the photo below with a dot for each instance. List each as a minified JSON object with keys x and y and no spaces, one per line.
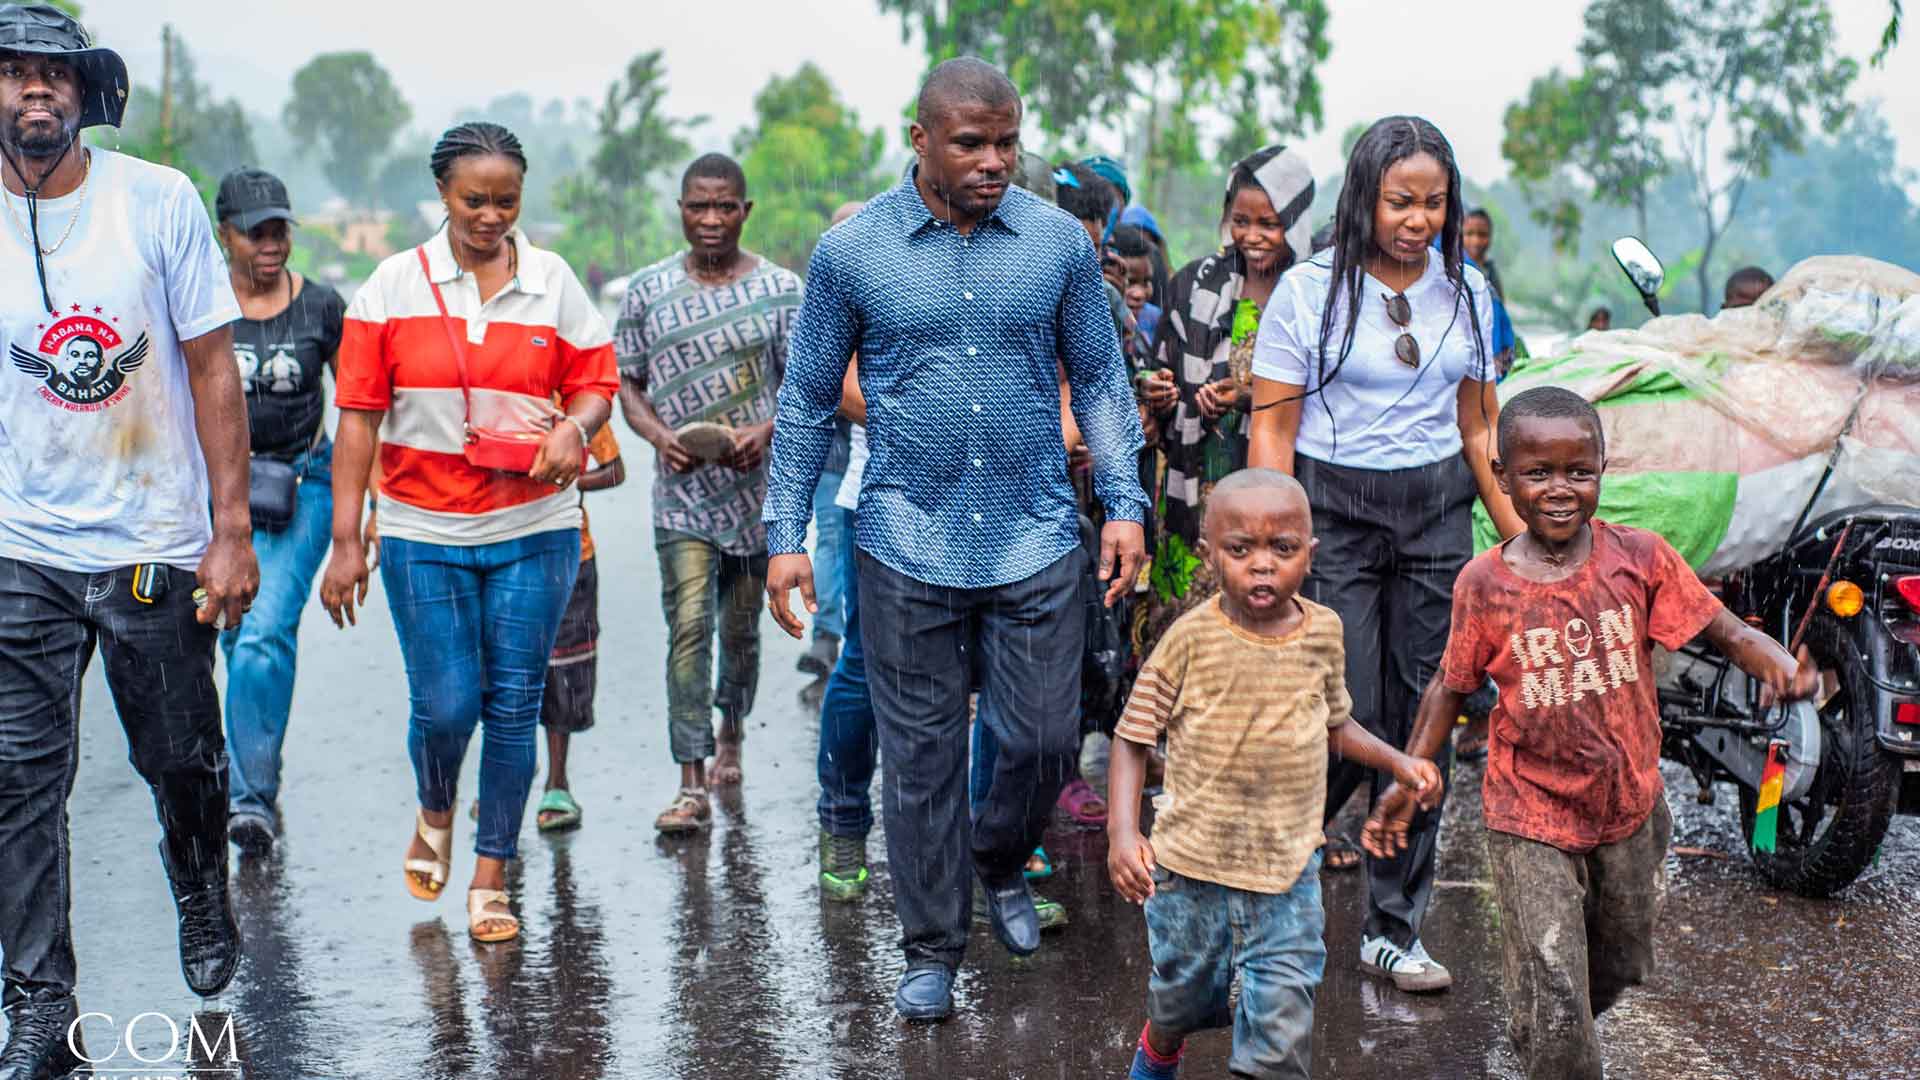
{"x":1549,"y":403}
{"x":1251,"y":480}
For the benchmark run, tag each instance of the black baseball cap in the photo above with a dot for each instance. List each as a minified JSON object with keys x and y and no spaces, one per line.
{"x":249,"y":196}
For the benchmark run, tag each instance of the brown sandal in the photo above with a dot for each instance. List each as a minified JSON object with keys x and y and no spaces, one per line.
{"x":689,"y":812}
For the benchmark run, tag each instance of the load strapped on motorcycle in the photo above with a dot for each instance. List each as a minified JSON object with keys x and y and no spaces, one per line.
{"x":1777,"y":447}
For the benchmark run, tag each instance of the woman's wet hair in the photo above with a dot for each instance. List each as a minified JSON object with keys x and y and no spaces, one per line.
{"x":477,"y":139}
{"x":1387,"y":143}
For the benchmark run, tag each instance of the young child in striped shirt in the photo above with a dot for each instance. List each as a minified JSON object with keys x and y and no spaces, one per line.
{"x":1250,"y":692}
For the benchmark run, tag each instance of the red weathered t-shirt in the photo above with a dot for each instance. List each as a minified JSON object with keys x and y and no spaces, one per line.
{"x":1573,"y":755}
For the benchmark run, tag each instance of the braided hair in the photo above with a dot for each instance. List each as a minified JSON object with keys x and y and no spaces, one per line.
{"x":479,"y":137}
{"x":1387,"y":143}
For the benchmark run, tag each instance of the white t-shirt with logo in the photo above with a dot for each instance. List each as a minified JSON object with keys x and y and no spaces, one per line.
{"x":100,"y":463}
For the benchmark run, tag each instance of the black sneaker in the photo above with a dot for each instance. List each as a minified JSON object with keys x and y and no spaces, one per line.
{"x":209,"y":936}
{"x":37,"y":1039}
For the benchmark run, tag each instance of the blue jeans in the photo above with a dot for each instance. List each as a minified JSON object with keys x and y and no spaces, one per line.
{"x":261,"y":651}
{"x":849,"y":741}
{"x":1201,"y":933}
{"x":832,"y":556}
{"x":476,"y":627}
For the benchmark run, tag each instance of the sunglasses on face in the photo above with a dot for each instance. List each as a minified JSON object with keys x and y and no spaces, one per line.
{"x":1405,"y":349}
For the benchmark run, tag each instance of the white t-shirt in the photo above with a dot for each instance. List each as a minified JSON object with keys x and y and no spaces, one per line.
{"x":1385,"y":415}
{"x":848,"y":497}
{"x":100,"y":465}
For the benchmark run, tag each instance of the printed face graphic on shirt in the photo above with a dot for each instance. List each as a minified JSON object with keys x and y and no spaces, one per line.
{"x":81,"y":361}
{"x":1560,"y":665}
{"x":278,"y":374}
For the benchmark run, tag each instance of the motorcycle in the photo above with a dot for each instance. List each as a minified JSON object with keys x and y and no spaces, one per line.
{"x":1847,"y":587}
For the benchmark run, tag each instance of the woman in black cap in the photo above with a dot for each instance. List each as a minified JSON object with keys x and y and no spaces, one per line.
{"x":289,"y":330}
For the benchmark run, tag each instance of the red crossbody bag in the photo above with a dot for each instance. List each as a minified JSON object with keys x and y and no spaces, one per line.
{"x":485,"y":448}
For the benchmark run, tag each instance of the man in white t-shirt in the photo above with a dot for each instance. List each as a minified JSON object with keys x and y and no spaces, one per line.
{"x":121,"y":422}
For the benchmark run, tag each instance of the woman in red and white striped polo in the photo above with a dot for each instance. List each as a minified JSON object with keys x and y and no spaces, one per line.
{"x":454,"y":354}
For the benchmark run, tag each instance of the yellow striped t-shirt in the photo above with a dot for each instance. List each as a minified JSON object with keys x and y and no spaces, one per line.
{"x":1246,"y":719}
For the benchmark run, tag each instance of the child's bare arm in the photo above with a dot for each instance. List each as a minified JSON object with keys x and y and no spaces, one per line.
{"x":1439,"y":711}
{"x":1416,"y":775}
{"x":1385,"y":833}
{"x":1788,"y":678}
{"x":1129,"y":856}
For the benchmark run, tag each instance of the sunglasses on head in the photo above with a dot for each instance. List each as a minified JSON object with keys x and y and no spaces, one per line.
{"x":1405,"y":348}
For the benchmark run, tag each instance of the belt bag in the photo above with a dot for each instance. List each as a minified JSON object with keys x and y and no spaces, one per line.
{"x":504,"y":450}
{"x":272,"y":487}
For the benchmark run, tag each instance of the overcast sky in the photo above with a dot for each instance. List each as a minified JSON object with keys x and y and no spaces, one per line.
{"x":1459,"y":63}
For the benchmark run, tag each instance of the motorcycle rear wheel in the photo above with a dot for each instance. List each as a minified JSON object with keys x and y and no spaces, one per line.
{"x":1826,"y":838}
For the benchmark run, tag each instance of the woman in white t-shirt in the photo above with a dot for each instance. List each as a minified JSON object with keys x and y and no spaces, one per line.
{"x":1373,"y":384}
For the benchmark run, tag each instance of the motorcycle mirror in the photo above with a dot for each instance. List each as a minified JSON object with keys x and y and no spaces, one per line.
{"x":1642,"y":267}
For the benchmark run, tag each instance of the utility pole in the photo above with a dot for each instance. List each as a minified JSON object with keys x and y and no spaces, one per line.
{"x":166,"y":94}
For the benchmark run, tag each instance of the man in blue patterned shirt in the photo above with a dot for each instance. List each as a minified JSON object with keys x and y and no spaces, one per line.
{"x":963,"y":299}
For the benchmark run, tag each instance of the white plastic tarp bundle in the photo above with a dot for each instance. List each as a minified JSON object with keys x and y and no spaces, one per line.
{"x":1718,"y":430}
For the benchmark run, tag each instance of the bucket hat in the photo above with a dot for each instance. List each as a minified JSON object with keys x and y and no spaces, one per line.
{"x":48,"y":31}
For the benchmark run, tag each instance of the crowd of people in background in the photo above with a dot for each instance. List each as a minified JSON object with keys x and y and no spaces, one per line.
{"x":1088,"y":524}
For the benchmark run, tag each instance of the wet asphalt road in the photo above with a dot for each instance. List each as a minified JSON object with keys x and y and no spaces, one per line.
{"x":715,"y":956}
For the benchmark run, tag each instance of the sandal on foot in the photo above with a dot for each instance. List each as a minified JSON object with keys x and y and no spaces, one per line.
{"x":689,"y":812}
{"x":1342,"y":855}
{"x":1083,"y":803}
{"x":565,"y":813}
{"x":1045,"y":869}
{"x":478,"y":916}
{"x":434,"y":870}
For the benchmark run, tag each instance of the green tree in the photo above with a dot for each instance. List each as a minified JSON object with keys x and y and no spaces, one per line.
{"x":805,"y":155}
{"x":1082,"y":64}
{"x":348,"y":105}
{"x":1709,"y":90}
{"x":611,"y":204}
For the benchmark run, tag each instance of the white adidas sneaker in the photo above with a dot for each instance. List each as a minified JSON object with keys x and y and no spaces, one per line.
{"x":1410,"y":969}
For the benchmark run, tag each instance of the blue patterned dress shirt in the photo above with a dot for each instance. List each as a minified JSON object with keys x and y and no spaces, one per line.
{"x":959,"y":338}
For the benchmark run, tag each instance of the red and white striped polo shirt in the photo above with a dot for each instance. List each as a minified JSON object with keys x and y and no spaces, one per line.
{"x":539,"y":336}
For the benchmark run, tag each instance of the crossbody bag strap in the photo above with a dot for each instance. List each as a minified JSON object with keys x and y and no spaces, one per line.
{"x":454,"y":340}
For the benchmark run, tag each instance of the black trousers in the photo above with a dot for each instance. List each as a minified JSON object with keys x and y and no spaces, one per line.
{"x":1391,"y":544}
{"x":160,"y":669}
{"x":921,"y":642}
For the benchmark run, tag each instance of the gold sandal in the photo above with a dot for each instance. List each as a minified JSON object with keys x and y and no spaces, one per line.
{"x":427,"y":877}
{"x":478,"y":916}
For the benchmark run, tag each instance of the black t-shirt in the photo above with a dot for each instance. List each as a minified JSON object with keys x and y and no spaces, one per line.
{"x":281,"y":360}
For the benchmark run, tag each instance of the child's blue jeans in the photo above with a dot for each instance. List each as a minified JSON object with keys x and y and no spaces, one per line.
{"x":1201,"y":933}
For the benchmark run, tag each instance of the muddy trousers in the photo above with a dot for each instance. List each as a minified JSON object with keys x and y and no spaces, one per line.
{"x":920,"y":642}
{"x":701,"y":585}
{"x":159,"y":666}
{"x":1576,"y":931}
{"x":1391,"y":544}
